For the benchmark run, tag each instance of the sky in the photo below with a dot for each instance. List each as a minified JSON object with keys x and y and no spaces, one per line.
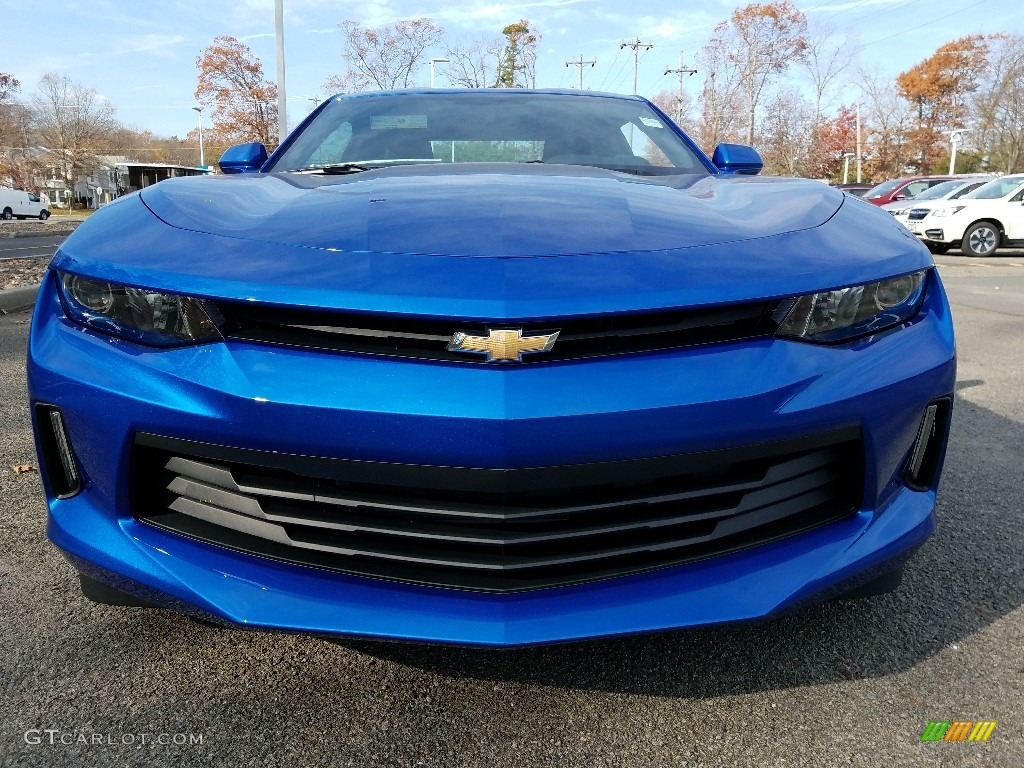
{"x":141,"y":55}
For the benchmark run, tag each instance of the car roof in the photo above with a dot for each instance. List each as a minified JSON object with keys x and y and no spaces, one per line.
{"x":490,"y":92}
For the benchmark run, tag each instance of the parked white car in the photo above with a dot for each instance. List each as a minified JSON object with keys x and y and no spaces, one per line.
{"x":19,"y":204}
{"x":980,"y":222}
{"x":953,"y":189}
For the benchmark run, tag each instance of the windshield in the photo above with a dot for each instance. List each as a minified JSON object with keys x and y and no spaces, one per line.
{"x":883,"y":189}
{"x":996,"y":188}
{"x":356,"y":133}
{"x":939,"y":191}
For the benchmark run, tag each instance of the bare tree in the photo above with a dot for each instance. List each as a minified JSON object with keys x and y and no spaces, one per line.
{"x":244,"y":102}
{"x":762,"y":41}
{"x":889,"y":120}
{"x":14,"y":125}
{"x":720,"y":109}
{"x":72,"y":120}
{"x":999,"y":106}
{"x":473,"y":64}
{"x":679,"y":108}
{"x":827,"y":55}
{"x":384,"y":58}
{"x":787,"y":126}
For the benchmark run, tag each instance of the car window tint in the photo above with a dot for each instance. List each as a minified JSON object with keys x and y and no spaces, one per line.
{"x":452,"y":151}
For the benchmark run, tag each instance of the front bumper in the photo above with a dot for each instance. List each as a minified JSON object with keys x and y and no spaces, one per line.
{"x":378,"y":409}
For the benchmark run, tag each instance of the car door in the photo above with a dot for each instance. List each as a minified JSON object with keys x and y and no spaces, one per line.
{"x":1014,"y":221}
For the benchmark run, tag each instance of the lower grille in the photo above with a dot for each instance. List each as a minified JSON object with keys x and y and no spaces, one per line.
{"x":490,"y":529}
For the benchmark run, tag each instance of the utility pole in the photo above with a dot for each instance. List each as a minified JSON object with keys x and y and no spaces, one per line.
{"x":315,"y":99}
{"x":679,"y":98}
{"x":636,"y":45}
{"x":860,"y":151}
{"x":579,"y":63}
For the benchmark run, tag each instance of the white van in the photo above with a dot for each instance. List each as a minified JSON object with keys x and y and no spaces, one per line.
{"x":18,"y":204}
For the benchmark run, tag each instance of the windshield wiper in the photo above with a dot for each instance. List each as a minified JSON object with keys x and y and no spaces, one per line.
{"x":335,"y":168}
{"x":355,"y":166}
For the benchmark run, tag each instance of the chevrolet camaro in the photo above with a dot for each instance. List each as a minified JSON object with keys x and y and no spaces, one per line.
{"x":494,"y":368}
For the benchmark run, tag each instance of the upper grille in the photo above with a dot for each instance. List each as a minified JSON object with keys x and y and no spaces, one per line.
{"x":405,"y":336}
{"x":916,"y":214}
{"x":492,"y":529}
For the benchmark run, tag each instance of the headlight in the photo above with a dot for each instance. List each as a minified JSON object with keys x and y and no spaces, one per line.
{"x":948,"y":211}
{"x":137,"y":314}
{"x":845,"y":313}
{"x":899,"y":212}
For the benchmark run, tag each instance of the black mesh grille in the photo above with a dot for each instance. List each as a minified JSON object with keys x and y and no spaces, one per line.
{"x":428,"y":338}
{"x":495,"y":530}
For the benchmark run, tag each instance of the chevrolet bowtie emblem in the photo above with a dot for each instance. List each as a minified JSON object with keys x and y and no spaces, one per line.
{"x":503,"y":344}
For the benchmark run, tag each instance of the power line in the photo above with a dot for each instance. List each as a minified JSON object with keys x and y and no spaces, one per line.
{"x":608,"y":73}
{"x":925,"y":24}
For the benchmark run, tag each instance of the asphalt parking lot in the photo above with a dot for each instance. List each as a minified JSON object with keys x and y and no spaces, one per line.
{"x":842,"y":684}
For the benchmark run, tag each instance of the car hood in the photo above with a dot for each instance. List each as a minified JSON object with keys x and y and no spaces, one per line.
{"x":478,"y":242}
{"x":482,"y":211}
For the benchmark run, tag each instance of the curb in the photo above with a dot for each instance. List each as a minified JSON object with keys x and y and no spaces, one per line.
{"x":63,"y":232}
{"x":14,"y":299}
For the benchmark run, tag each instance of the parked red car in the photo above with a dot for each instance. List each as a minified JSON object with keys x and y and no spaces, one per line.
{"x":902,"y":189}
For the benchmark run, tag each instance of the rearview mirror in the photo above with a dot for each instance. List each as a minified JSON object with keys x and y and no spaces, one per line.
{"x":243,"y":158}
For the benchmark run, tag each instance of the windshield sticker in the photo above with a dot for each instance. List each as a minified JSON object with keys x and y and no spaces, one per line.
{"x":651,"y":122}
{"x":389,"y":122}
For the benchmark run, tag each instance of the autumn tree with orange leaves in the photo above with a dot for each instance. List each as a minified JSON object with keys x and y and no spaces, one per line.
{"x":939,"y":88}
{"x":244,"y":103}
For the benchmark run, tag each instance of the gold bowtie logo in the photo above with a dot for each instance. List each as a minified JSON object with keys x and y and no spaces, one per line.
{"x":503,"y":344}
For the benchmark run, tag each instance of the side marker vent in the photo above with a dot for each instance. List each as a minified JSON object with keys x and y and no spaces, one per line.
{"x":926,"y":455}
{"x":56,"y":455}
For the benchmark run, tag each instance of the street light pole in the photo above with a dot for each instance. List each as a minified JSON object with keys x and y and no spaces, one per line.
{"x":282,"y":99}
{"x":954,"y":139}
{"x":202,"y":156}
{"x":846,"y":166}
{"x":436,"y":60}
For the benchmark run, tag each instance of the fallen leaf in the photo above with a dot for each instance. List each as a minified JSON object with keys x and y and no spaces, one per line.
{"x":20,"y":468}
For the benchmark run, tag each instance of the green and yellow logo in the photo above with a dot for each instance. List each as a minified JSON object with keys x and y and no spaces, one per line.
{"x":958,"y":730}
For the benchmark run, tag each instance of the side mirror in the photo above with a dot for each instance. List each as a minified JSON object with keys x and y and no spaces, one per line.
{"x":737,"y":158}
{"x":243,"y":158}
{"x":899,"y":196}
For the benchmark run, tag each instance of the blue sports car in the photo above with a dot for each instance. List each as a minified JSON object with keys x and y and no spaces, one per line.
{"x":489,"y":367}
